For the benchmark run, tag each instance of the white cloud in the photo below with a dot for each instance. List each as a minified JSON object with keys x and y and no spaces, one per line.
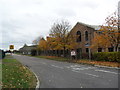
{"x":21,"y":21}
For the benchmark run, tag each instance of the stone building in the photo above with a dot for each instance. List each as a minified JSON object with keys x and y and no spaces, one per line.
{"x":85,"y":35}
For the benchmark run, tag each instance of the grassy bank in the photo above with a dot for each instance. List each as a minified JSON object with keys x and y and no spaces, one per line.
{"x":82,"y":61}
{"x":15,"y":75}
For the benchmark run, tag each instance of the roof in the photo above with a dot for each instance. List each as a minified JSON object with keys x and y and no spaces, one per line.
{"x":28,"y":47}
{"x":96,"y":27}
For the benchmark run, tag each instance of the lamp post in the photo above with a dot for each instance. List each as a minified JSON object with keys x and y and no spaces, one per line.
{"x":119,"y":21}
{"x":119,"y":16}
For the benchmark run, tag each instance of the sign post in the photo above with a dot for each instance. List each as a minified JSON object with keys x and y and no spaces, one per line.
{"x":11,"y":47}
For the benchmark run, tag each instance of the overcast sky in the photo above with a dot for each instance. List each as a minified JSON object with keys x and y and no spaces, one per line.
{"x":21,"y":21}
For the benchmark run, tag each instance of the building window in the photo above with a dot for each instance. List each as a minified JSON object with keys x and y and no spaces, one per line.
{"x":78,"y":36}
{"x":87,"y":50}
{"x":110,"y":49}
{"x":99,"y":49}
{"x":86,"y":35}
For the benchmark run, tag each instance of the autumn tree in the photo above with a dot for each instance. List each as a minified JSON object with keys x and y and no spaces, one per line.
{"x":108,"y":34}
{"x":59,"y":31}
{"x":42,"y":44}
{"x":37,"y":40}
{"x":100,"y":41}
{"x":111,"y":30}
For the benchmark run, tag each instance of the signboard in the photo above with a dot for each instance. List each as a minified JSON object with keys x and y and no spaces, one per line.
{"x":11,"y":46}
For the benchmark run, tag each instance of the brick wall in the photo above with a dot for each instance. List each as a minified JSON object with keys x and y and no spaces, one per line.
{"x":83,"y":44}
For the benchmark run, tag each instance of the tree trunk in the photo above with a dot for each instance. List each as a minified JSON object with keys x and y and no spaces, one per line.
{"x":64,"y":52}
{"x":116,"y":48}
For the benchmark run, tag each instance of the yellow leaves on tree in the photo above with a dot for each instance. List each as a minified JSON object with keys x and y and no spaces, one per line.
{"x":108,"y":35}
{"x":42,"y":44}
{"x":100,"y":41}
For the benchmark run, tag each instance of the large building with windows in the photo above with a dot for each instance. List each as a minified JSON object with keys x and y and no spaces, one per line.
{"x":85,"y":35}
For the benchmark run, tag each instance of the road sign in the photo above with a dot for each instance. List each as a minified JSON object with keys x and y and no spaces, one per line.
{"x":11,"y":46}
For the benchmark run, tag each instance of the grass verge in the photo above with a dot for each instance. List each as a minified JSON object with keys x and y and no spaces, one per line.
{"x":15,"y":75}
{"x":82,"y":61}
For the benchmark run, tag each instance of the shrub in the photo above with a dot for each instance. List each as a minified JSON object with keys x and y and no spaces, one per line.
{"x":107,"y":56}
{"x":85,"y":55}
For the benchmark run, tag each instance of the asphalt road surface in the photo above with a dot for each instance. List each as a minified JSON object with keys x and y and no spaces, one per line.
{"x":55,"y":74}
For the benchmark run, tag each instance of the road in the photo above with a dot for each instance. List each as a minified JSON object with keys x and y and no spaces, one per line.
{"x":55,"y":74}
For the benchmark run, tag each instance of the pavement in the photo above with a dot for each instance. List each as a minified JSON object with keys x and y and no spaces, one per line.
{"x":56,"y":74}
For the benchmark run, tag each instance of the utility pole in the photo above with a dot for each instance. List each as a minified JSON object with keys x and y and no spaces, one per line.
{"x":119,"y":16}
{"x":119,"y":22}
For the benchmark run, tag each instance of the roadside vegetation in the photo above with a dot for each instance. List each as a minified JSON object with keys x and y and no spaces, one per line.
{"x":82,"y":61}
{"x":15,"y":75}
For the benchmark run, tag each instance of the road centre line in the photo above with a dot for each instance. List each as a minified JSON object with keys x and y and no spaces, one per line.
{"x":106,"y":71}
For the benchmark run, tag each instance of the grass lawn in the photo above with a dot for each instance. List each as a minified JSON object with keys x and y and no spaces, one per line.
{"x":82,"y":61}
{"x":15,"y":75}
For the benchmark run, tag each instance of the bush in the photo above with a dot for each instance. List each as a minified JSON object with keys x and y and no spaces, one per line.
{"x":85,"y":56}
{"x":107,"y":56}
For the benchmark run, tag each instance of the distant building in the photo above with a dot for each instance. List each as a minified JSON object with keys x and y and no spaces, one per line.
{"x":27,"y":49}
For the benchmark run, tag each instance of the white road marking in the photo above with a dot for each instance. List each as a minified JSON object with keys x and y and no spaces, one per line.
{"x":106,"y":71}
{"x":92,"y":75}
{"x":73,"y":65}
{"x":57,"y":66}
{"x":86,"y":73}
{"x":43,"y":63}
{"x":83,"y":68}
{"x":75,"y":71}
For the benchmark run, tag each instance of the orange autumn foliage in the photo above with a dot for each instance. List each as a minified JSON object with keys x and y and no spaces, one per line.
{"x":108,"y":35}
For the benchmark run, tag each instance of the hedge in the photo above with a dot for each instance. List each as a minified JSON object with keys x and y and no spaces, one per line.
{"x":107,"y":56}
